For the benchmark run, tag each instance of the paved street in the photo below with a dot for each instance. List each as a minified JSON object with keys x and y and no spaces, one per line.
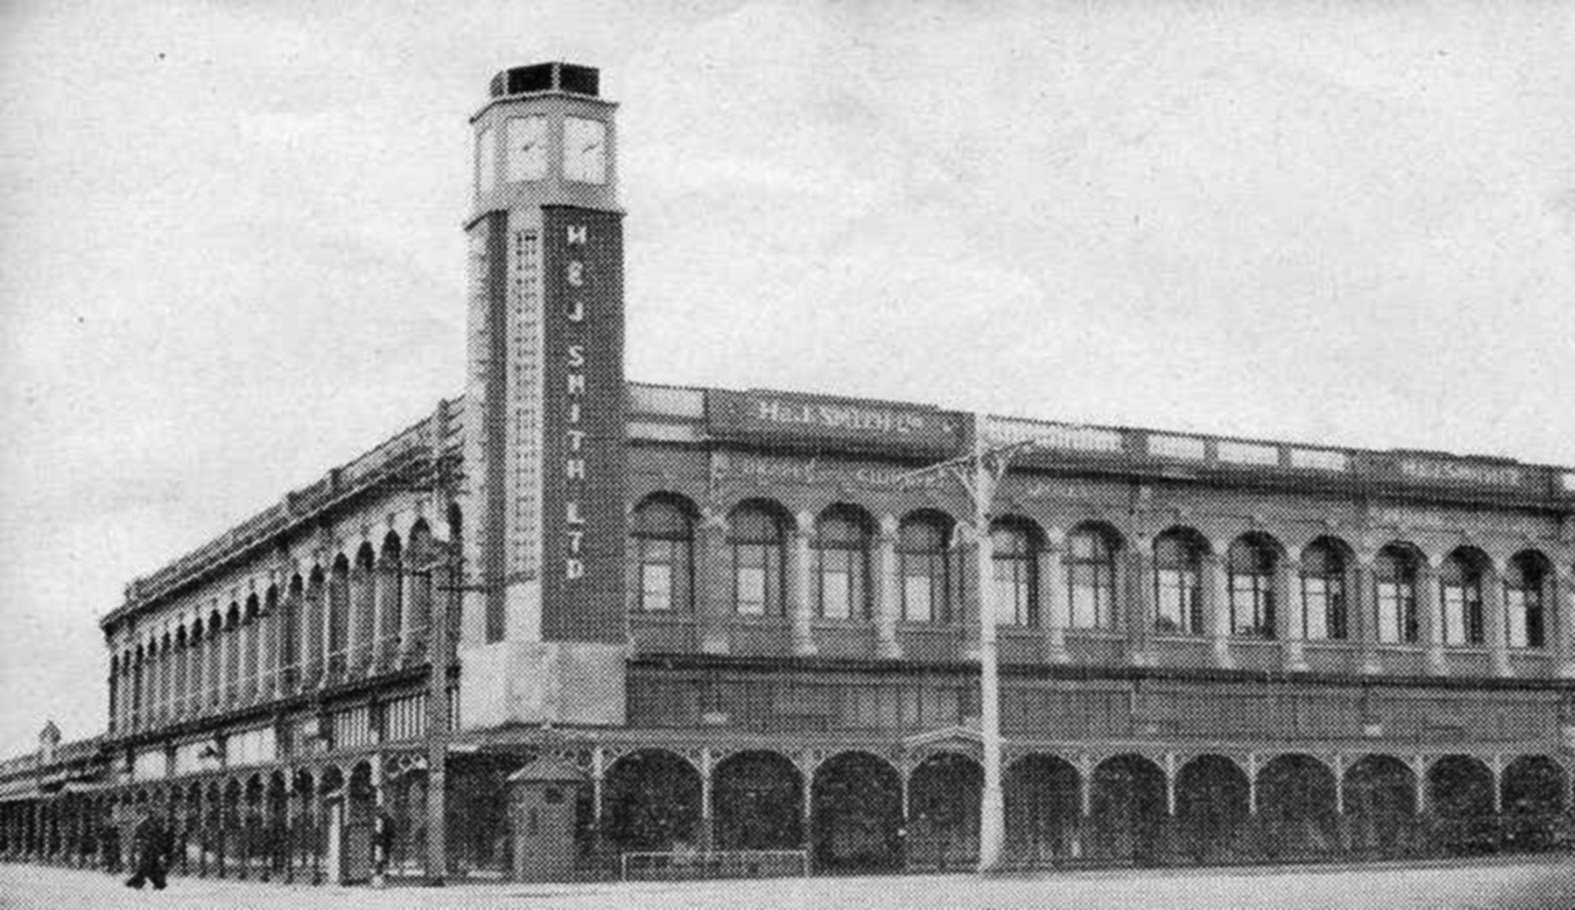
{"x":1545,"y":883}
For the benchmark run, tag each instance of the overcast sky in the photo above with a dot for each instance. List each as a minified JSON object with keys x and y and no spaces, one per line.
{"x":231,"y":256}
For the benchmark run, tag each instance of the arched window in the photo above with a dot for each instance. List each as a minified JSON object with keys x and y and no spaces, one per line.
{"x":1091,"y":579}
{"x":339,"y":610}
{"x":924,"y":568}
{"x":1523,"y":580}
{"x":1323,"y":592}
{"x":1016,"y":574}
{"x":757,"y":543}
{"x":290,"y":648}
{"x":842,"y":565}
{"x":1395,"y":570}
{"x":1460,"y":583}
{"x":1250,"y":562}
{"x":663,"y":535}
{"x":1178,"y":583}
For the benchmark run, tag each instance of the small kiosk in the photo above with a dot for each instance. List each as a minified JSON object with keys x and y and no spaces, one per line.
{"x":542,"y":800}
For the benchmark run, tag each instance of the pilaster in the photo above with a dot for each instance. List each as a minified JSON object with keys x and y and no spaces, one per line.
{"x":1364,"y":614}
{"x":1562,"y":609}
{"x":712,"y":601}
{"x":888,"y":591}
{"x":1053,"y":597}
{"x":801,"y":576}
{"x":1140,"y":627}
{"x":1430,"y":617}
{"x":1216,"y":608}
{"x":1494,"y":627}
{"x":1289,"y":618}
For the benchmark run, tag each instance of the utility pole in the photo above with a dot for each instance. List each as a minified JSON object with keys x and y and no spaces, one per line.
{"x":440,"y":655}
{"x":979,"y":471}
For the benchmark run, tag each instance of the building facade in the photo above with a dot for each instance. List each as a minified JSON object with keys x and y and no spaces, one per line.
{"x":566,"y":620}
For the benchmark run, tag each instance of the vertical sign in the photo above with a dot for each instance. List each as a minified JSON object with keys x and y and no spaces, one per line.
{"x":583,"y":450}
{"x":486,"y":390}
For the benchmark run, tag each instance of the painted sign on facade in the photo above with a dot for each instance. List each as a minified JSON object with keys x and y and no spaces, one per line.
{"x":583,"y":450}
{"x":772,"y":470}
{"x":761,"y":414}
{"x":1460,"y":472}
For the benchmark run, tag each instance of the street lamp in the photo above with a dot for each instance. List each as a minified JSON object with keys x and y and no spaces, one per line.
{"x":979,"y":471}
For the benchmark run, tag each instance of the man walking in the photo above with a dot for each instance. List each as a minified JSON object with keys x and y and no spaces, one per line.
{"x":151,"y":849}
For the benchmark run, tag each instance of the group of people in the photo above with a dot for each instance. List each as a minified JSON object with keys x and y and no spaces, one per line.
{"x":153,"y":846}
{"x":153,"y":849}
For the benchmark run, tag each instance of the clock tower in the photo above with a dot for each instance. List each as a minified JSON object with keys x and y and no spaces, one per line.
{"x":542,"y":633}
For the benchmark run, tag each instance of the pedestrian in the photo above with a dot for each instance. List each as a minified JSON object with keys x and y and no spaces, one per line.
{"x":151,"y":850}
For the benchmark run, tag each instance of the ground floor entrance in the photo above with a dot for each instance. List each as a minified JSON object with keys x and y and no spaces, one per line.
{"x":840,"y":806}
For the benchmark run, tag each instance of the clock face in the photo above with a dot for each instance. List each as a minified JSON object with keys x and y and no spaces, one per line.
{"x":486,"y":160}
{"x":527,"y":144}
{"x":585,"y":150}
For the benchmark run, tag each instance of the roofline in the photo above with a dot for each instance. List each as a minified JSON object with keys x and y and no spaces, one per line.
{"x":305,"y":503}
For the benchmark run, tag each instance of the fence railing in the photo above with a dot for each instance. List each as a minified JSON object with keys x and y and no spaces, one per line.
{"x":691,"y":864}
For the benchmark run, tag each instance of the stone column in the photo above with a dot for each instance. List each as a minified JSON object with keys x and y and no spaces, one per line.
{"x":1339,"y":787}
{"x":1170,"y":783}
{"x":801,"y":603}
{"x":712,"y":604}
{"x":888,"y":590}
{"x":1430,"y":617}
{"x":1494,"y":627}
{"x":1252,"y":783}
{"x":1364,"y":613}
{"x":1216,"y":609}
{"x":707,"y":825}
{"x":1561,"y":611}
{"x":1140,"y":625}
{"x":1053,"y":596}
{"x":1289,"y":609}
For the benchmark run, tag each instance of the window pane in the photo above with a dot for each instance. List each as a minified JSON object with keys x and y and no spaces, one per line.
{"x":1389,"y":625}
{"x":751,"y":590}
{"x":656,"y":586}
{"x":834,"y":599}
{"x":916,"y":603}
{"x":1315,"y":608}
{"x":1515,"y":610}
{"x":1454,"y":615}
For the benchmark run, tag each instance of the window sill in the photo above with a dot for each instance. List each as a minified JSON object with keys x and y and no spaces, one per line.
{"x":1097,"y":634}
{"x":662,"y":618}
{"x":749,"y":619}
